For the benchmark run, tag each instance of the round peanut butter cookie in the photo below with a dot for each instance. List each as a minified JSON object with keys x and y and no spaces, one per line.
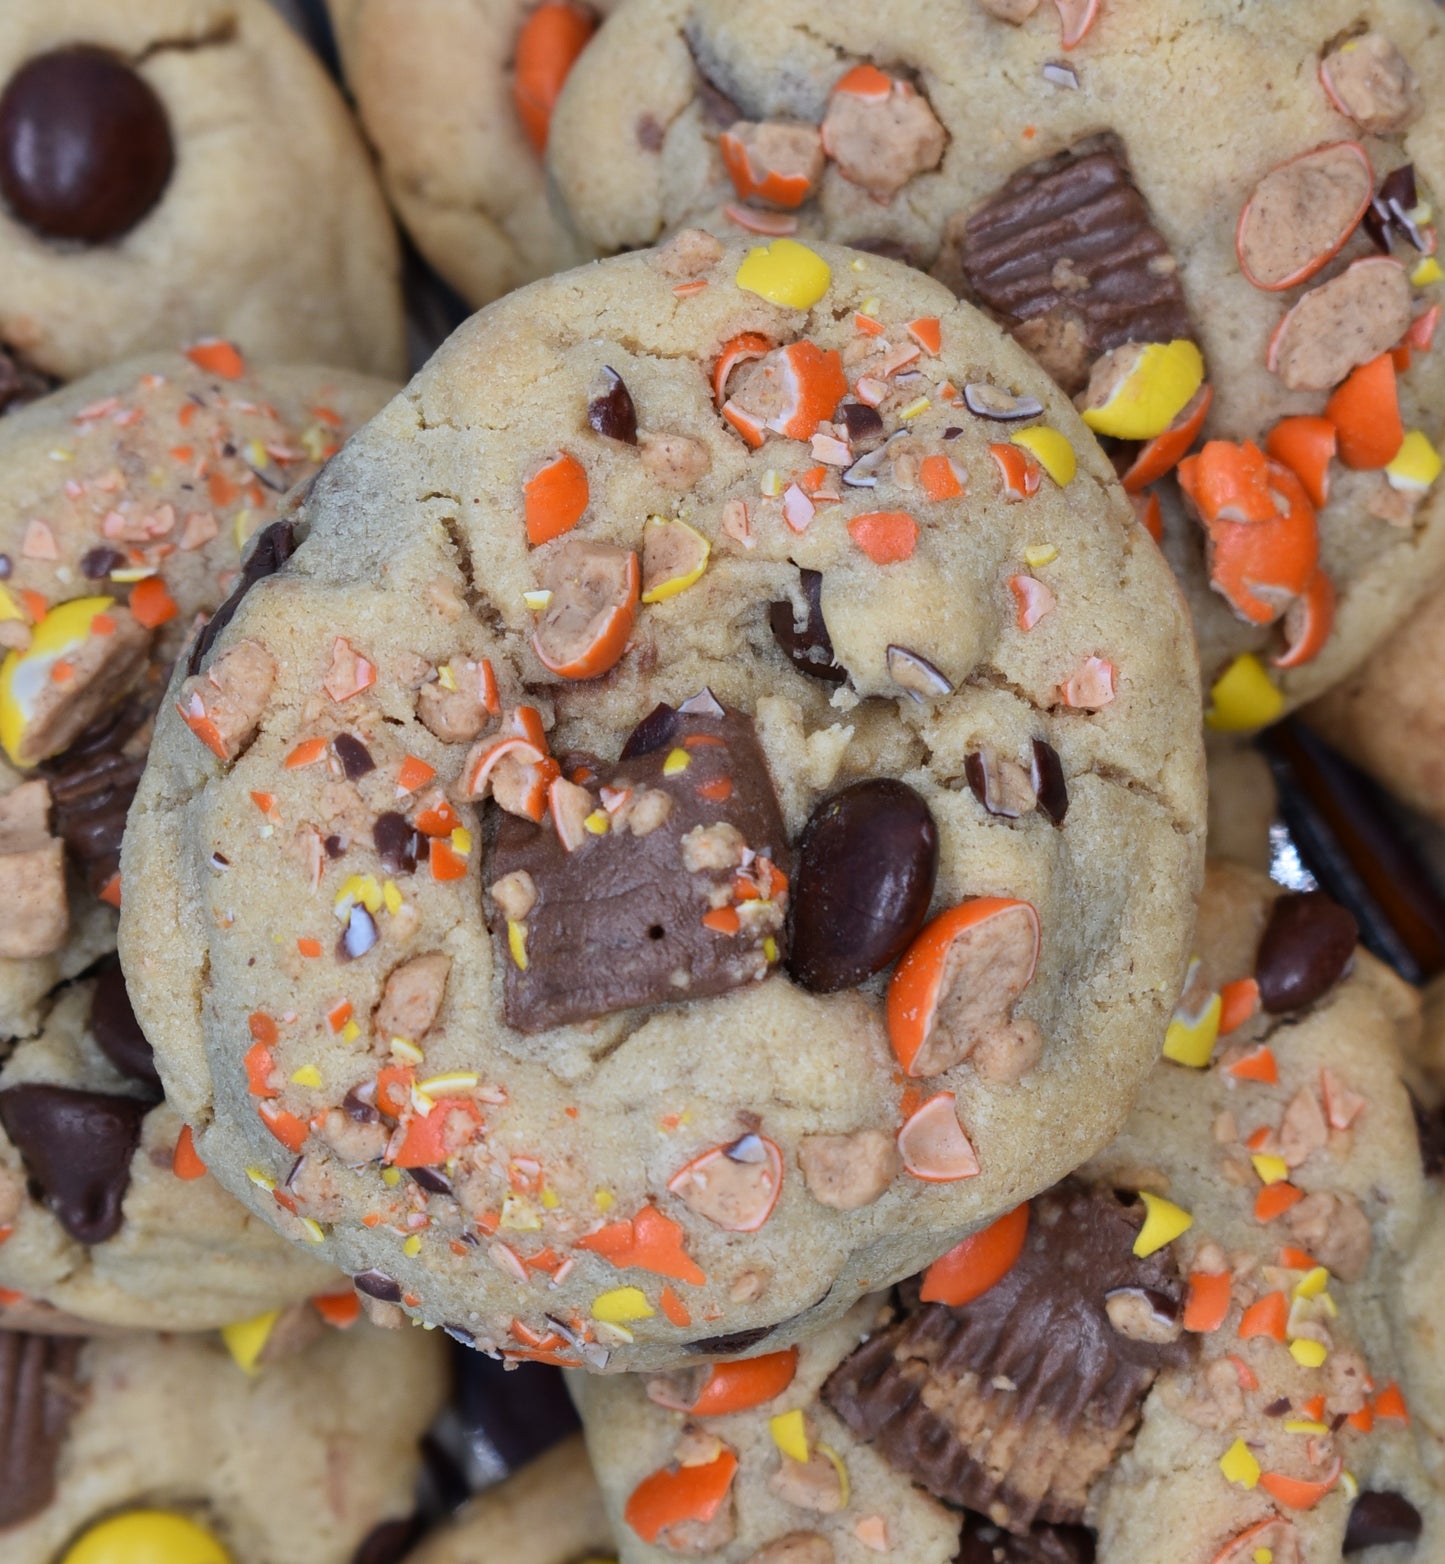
{"x":456,"y":97}
{"x":126,"y":503}
{"x":1206,"y":220}
{"x":535,"y":853}
{"x":1193,"y":1349}
{"x":163,"y":1448}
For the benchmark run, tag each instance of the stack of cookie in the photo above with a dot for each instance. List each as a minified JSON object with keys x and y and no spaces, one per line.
{"x":672,"y":848}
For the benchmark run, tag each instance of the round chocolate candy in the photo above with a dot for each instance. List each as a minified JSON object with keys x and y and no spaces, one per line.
{"x":85,"y":145}
{"x":1303,"y":953}
{"x":867,"y":860}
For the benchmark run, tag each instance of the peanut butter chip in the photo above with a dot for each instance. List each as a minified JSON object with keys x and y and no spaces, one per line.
{"x":1342,"y":324}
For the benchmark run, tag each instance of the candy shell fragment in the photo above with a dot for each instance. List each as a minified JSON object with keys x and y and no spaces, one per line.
{"x":735,"y":1186}
{"x":146,"y":1537}
{"x":933,"y":1145}
{"x":981,"y":1261}
{"x":622,"y":1305}
{"x":595,"y":589}
{"x":1138,"y":390}
{"x":1192,"y":1033}
{"x":1366,"y":412}
{"x":1416,"y":465}
{"x":1243,"y":697}
{"x":778,"y":164}
{"x":1301,"y":214}
{"x":1163,"y":1223}
{"x":785,"y":272}
{"x":555,"y":498}
{"x":674,"y":556}
{"x":1055,"y":454}
{"x":547,"y":47}
{"x":674,"y":1496}
{"x":246,"y":1339}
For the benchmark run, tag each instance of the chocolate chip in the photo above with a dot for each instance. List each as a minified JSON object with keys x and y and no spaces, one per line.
{"x":38,"y":1395}
{"x":97,"y":563}
{"x":1014,"y":1404}
{"x":358,"y":1109}
{"x":333,"y":846}
{"x":732,"y":1341}
{"x":808,"y":647}
{"x":867,"y":860}
{"x":77,"y":1148}
{"x":377,"y":1284}
{"x":1379,"y":1520}
{"x":618,"y":922}
{"x":1390,"y":211}
{"x":1066,"y":255}
{"x":655,"y":730}
{"x":398,"y":843}
{"x":985,"y":1543}
{"x":274,"y":545}
{"x":611,"y":411}
{"x":390,"y":1542}
{"x":1430,"y":1132}
{"x":354,"y":756}
{"x":863,"y":423}
{"x":1303,"y":953}
{"x":115,"y":1029}
{"x":91,"y":790}
{"x":85,"y":145}
{"x":1048,"y":781}
{"x":432,"y":1180}
{"x":20,"y":384}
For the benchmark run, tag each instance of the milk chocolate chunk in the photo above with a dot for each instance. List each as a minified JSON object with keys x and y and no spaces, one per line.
{"x":38,"y":1394}
{"x":1014,"y":1404}
{"x":85,"y":145}
{"x":274,"y":545}
{"x":91,"y":790}
{"x":618,"y":919}
{"x":77,"y":1148}
{"x":985,"y":1543}
{"x":808,"y":646}
{"x":1067,"y":257}
{"x":1304,"y":950}
{"x":115,"y":1029}
{"x":1378,"y":1520}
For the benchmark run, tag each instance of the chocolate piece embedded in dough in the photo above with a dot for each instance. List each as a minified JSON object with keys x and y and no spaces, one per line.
{"x":38,"y":1394}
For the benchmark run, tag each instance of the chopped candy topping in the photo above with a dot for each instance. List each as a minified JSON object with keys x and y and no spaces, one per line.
{"x":547,"y":47}
{"x":735,"y":1186}
{"x":785,"y":272}
{"x":1302,"y":213}
{"x":555,"y":499}
{"x":933,"y":1145}
{"x":595,"y":589}
{"x":677,"y":1496}
{"x":880,"y":131}
{"x":1239,"y":1465}
{"x":886,"y":537}
{"x":1366,"y":413}
{"x":651,"y":1241}
{"x":622,"y":1305}
{"x":1341,"y":324}
{"x":1194,"y":1027}
{"x":1368,"y":80}
{"x":1243,"y":697}
{"x":1163,"y":1223}
{"x":774,"y":163}
{"x":981,"y":1261}
{"x":1054,"y":453}
{"x":1137,"y":391}
{"x":674,"y":556}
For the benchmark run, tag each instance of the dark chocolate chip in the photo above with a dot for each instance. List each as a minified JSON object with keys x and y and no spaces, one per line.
{"x":867,"y":860}
{"x":77,"y":1148}
{"x":1306,"y":946}
{"x":390,"y":1542}
{"x":398,"y":843}
{"x":359,"y":1110}
{"x":655,"y":730}
{"x":808,"y":647}
{"x":611,"y":411}
{"x":97,"y":563}
{"x":85,"y":145}
{"x":732,"y":1341}
{"x":334,"y":846}
{"x":274,"y":545}
{"x":509,"y":1413}
{"x":1379,"y":1520}
{"x":354,"y":756}
{"x":863,"y":423}
{"x":115,"y":1029}
{"x":1048,"y":781}
{"x":985,"y":1543}
{"x":377,"y":1284}
{"x":38,"y":1394}
{"x":1278,"y":1407}
{"x":618,"y":923}
{"x":433,"y":1180}
{"x":91,"y":791}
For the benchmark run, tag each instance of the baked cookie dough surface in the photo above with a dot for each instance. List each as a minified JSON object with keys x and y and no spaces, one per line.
{"x":175,"y":170}
{"x":1213,"y":1339}
{"x":1171,"y":172}
{"x":588,"y":1057}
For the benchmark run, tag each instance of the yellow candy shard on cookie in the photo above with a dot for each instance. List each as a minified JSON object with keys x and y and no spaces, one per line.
{"x":1243,"y":697}
{"x":147,"y":1537}
{"x":1138,"y":390}
{"x":1163,"y":1223}
{"x":785,"y":272}
{"x":246,"y":1339}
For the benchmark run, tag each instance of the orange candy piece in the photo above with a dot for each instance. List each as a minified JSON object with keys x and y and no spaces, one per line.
{"x":259,"y":1064}
{"x":1020,"y":474}
{"x":286,"y":1127}
{"x":1308,"y":622}
{"x":428,"y":1142}
{"x":1266,"y":1316}
{"x":1366,"y":412}
{"x":339,"y":1309}
{"x":1274,"y":1200}
{"x":674,"y":1495}
{"x":555,"y":499}
{"x":1297,"y":1493}
{"x":185,"y":1161}
{"x":1207,"y":1305}
{"x":887,"y":537}
{"x":785,"y":190}
{"x":151,"y":604}
{"x":444,"y":860}
{"x":865,"y":81}
{"x":1238,"y":1001}
{"x":1228,"y":482}
{"x":939,"y":478}
{"x":547,"y":48}
{"x":1165,"y":451}
{"x":983,"y":1259}
{"x":614,"y":631}
{"x":651,"y":1241}
{"x":217,"y":357}
{"x":1257,"y":1065}
{"x":1306,"y":446}
{"x":743,"y":1384}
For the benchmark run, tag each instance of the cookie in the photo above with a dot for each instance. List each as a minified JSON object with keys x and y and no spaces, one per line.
{"x":600,"y":1070}
{"x":1204,"y":220}
{"x":550,"y":1512}
{"x":1243,"y":803}
{"x":127,"y":502}
{"x":456,"y":100}
{"x":1191,"y":1349}
{"x":155,"y":164}
{"x":106,"y":1210}
{"x":161,"y":1447}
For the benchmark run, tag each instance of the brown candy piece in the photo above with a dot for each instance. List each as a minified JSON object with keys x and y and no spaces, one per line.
{"x":77,"y":1147}
{"x":91,"y":785}
{"x":1013,"y":1405}
{"x":618,"y":921}
{"x":808,"y":646}
{"x":85,"y":145}
{"x":1304,"y":950}
{"x":985,"y":1543}
{"x":1378,"y":1520}
{"x":274,"y":545}
{"x":115,"y":1029}
{"x":1067,"y":257}
{"x":611,"y":411}
{"x":38,"y":1394}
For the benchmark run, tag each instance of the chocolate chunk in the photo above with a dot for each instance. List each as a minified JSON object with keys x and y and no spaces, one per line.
{"x":809,"y":647}
{"x":1304,"y":950}
{"x":731,"y":1342}
{"x":1378,"y":1520}
{"x":398,"y":843}
{"x":655,"y":730}
{"x":985,"y":1543}
{"x":1067,"y":257}
{"x":21,"y":383}
{"x":611,"y":412}
{"x":91,"y":791}
{"x":377,"y":1284}
{"x":509,"y":1412}
{"x":618,"y":921}
{"x":867,"y":860}
{"x":85,"y":145}
{"x":115,"y":1029}
{"x":97,"y":563}
{"x":274,"y":545}
{"x":77,"y":1147}
{"x":390,"y":1542}
{"x":38,"y":1394}
{"x":354,"y":756}
{"x":864,"y":426}
{"x":1014,"y":1404}
{"x":433,"y":1180}
{"x":1390,"y":212}
{"x":1430,"y":1131}
{"x":1048,"y":780}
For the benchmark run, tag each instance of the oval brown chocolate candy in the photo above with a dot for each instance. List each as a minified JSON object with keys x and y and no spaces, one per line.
{"x":809,"y":648}
{"x":611,"y":411}
{"x":1304,"y":950}
{"x":115,"y":1029}
{"x":1379,"y":1519}
{"x":85,"y":145}
{"x":867,"y":860}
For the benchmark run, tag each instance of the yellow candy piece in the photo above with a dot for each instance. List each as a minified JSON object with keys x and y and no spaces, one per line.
{"x":147,"y":1537}
{"x":9,"y":608}
{"x":1190,"y":1038}
{"x":1271,"y":1170}
{"x":1312,"y":1283}
{"x":312,"y":1231}
{"x":246,"y":1339}
{"x":412,"y":1247}
{"x":1426,"y":272}
{"x":1416,"y":465}
{"x":621,"y":1305}
{"x":1055,"y":454}
{"x":1039,"y":554}
{"x":674,"y":557}
{"x":785,"y":272}
{"x":1303,"y":1425}
{"x":1158,"y":381}
{"x":25,"y":675}
{"x":1243,"y":698}
{"x":845,"y":1487}
{"x":517,"y":943}
{"x":307,"y":1075}
{"x":790,"y":1434}
{"x":598,"y":823}
{"x":678,"y":760}
{"x":1308,"y":1354}
{"x":1239,"y":1465}
{"x":1163,"y":1223}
